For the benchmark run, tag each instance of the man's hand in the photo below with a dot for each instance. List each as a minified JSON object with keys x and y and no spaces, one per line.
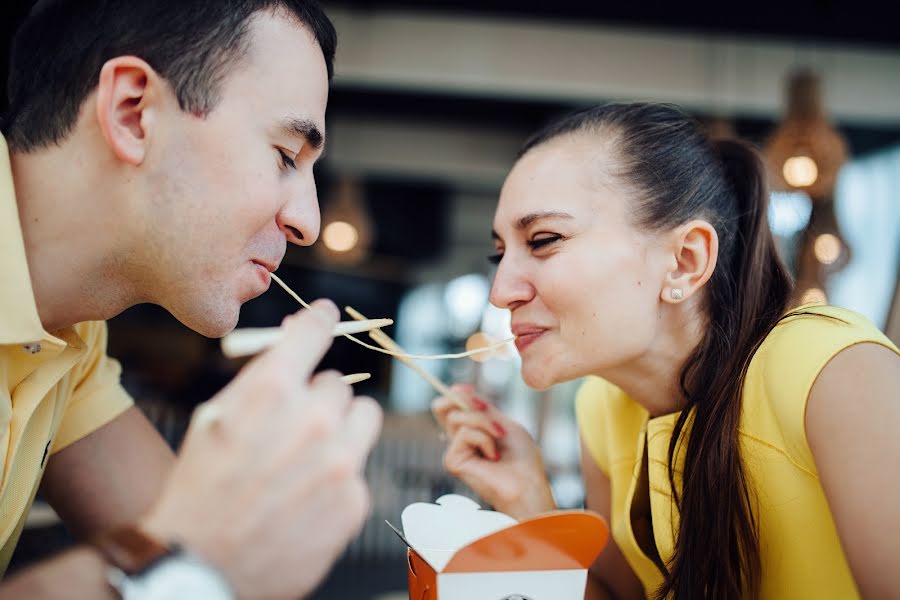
{"x":270,"y":490}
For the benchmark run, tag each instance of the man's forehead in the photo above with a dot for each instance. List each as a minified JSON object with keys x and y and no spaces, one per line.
{"x":283,"y":81}
{"x":283,"y":60}
{"x":278,"y":34}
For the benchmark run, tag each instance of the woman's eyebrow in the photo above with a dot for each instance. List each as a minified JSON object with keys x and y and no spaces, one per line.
{"x":530,"y":218}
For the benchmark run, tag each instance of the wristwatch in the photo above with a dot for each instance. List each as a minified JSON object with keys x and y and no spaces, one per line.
{"x":143,"y":568}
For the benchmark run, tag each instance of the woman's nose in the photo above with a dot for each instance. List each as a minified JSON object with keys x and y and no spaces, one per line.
{"x":512,"y":286}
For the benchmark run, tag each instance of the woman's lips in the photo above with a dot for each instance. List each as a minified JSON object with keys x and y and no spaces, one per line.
{"x":527,"y":336}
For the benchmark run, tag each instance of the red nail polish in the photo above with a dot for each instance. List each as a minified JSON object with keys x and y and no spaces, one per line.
{"x":496,"y":455}
{"x":500,"y":429}
{"x":479,"y":404}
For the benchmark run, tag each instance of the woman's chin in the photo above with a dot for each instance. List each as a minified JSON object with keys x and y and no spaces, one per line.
{"x":536,"y":376}
{"x":543,"y":373}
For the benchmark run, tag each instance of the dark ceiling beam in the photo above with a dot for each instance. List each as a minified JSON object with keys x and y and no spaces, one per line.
{"x":863,"y":23}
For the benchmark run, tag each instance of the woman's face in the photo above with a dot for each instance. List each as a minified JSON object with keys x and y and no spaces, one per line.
{"x":582,"y":282}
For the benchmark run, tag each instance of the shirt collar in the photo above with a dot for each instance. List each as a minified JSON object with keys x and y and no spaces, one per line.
{"x":19,"y":320}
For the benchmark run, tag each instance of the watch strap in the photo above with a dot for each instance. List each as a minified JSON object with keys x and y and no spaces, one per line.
{"x":130,"y":549}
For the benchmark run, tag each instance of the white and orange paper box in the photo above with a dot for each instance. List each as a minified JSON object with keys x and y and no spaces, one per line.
{"x":459,"y":552}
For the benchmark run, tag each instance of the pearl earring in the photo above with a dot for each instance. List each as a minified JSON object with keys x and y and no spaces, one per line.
{"x":677,"y":294}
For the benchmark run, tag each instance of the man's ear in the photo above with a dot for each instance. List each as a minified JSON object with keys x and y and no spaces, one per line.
{"x":128,"y":93}
{"x":695,"y":250}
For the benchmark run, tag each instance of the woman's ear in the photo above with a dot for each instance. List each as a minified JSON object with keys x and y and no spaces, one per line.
{"x":127,"y":96}
{"x":695,"y":250}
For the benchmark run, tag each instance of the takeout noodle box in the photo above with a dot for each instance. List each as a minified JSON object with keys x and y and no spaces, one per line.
{"x":459,"y":552}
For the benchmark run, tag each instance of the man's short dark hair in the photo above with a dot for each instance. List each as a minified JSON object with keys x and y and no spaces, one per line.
{"x":60,"y":49}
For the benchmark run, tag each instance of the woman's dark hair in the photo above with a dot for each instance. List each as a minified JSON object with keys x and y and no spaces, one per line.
{"x":59,"y":50}
{"x":679,"y":174}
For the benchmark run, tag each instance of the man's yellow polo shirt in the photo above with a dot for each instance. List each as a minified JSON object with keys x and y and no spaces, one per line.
{"x":800,"y":550}
{"x":54,"y":388}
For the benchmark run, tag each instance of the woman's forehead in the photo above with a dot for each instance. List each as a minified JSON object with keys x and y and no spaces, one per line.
{"x":570,"y":176}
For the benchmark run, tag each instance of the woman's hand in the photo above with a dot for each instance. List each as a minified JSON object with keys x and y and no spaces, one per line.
{"x":493,"y":455}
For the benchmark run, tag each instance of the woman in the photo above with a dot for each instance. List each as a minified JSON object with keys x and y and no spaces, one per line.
{"x":737,"y":448}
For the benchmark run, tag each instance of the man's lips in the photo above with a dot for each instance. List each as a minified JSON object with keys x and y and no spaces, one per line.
{"x":265,"y":271}
{"x":271,"y":267}
{"x":527,"y":334}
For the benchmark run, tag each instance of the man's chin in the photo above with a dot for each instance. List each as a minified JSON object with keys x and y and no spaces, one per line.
{"x":218,"y":330}
{"x":211,"y":323}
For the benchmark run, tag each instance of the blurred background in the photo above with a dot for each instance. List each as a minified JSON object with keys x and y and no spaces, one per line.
{"x":430,"y":103}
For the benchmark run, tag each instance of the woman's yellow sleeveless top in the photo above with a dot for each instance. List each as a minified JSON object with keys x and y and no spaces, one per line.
{"x":800,"y":549}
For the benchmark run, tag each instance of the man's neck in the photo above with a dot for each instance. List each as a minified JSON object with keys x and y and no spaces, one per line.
{"x":72,"y":238}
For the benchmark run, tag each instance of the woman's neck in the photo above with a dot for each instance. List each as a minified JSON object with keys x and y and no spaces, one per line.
{"x":653,"y":379}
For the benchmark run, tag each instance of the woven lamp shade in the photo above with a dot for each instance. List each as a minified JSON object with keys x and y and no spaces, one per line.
{"x":805,"y":152}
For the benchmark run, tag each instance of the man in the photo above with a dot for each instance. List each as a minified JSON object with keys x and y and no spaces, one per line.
{"x":161,"y":151}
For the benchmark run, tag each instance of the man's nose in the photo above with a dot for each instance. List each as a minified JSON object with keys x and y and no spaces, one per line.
{"x":300,"y":219}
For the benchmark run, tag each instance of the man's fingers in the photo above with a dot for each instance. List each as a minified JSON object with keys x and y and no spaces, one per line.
{"x":307,"y":337}
{"x":282,"y":373}
{"x":328,"y":387}
{"x":362,"y":426}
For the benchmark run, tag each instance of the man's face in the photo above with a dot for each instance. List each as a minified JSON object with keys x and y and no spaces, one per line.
{"x":229,"y":189}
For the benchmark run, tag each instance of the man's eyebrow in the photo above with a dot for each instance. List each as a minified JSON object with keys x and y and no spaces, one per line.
{"x":304,"y":128}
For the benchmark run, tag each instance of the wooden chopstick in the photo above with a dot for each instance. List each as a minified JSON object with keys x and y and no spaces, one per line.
{"x":253,"y":340}
{"x":347,"y":327}
{"x":383,"y":340}
{"x":355,"y":378}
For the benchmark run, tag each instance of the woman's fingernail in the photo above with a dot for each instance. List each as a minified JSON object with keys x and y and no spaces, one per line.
{"x":478,"y":403}
{"x":496,"y":455}
{"x":500,"y":429}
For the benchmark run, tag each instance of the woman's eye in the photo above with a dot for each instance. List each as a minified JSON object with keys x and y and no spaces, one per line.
{"x":286,"y":161}
{"x":536,"y":243}
{"x":495,"y":259}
